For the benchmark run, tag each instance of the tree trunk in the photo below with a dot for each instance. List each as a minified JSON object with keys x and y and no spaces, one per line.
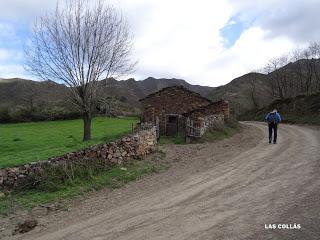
{"x":86,"y":126}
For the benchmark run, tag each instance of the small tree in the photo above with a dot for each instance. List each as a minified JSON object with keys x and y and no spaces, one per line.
{"x":278,"y":74}
{"x":314,"y":49}
{"x":253,"y":91}
{"x":78,"y":45}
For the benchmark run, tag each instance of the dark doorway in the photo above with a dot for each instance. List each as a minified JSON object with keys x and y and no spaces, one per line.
{"x":172,"y":125}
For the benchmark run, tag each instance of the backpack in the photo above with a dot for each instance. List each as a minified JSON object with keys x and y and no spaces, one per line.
{"x":272,"y":118}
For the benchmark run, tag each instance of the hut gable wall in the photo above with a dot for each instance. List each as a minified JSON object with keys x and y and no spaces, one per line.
{"x":172,"y":100}
{"x":171,"y":107}
{"x":175,"y":100}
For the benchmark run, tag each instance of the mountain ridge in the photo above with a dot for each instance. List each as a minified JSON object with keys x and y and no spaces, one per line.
{"x":249,"y":91}
{"x":16,"y":90}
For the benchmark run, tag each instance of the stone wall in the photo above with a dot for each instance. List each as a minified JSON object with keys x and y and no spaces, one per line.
{"x":107,"y":154}
{"x":210,"y":121}
{"x":199,"y":120}
{"x":197,"y":126}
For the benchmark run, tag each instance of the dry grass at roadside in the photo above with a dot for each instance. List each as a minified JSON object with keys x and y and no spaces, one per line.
{"x":50,"y":192}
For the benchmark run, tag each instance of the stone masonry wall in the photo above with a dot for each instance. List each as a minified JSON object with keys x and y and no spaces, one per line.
{"x":114,"y":153}
{"x":171,"y":100}
{"x":203,"y":118}
{"x":199,"y":125}
{"x":181,"y":101}
{"x":210,"y":121}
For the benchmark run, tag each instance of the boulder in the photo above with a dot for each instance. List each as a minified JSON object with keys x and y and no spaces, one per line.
{"x":25,"y":226}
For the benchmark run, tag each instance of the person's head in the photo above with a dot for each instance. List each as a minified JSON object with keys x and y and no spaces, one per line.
{"x":274,"y":111}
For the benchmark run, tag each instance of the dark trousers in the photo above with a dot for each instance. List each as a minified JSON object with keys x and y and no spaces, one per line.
{"x":273,"y":127}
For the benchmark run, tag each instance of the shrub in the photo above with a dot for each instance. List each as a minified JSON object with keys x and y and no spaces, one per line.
{"x":39,"y":113}
{"x":4,"y":114}
{"x":232,"y":122}
{"x":51,"y":177}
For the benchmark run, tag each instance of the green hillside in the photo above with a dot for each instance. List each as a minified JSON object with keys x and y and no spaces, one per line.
{"x":301,"y":109}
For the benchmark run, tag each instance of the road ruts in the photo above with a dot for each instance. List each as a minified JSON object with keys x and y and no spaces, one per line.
{"x":234,"y":200}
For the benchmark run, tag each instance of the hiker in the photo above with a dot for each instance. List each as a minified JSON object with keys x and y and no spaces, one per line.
{"x":273,"y":118}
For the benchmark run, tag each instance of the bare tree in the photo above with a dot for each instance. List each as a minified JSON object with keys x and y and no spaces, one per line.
{"x":278,"y":74}
{"x":306,"y":68}
{"x":295,"y":73}
{"x":298,"y":70}
{"x":253,"y":89}
{"x":109,"y":106}
{"x":78,"y":45}
{"x":314,"y":49}
{"x":29,"y":95}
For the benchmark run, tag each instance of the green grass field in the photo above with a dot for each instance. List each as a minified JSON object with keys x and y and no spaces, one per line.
{"x":29,"y":142}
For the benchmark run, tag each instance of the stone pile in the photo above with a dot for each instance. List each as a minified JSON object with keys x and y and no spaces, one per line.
{"x":114,"y":153}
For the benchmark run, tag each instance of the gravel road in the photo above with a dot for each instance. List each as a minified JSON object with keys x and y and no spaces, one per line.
{"x":232,"y":189}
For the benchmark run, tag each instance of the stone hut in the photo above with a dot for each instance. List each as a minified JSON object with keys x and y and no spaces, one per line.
{"x":200,"y":119}
{"x":170,"y":107}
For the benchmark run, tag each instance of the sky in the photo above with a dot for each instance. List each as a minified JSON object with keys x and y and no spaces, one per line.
{"x":205,"y":42}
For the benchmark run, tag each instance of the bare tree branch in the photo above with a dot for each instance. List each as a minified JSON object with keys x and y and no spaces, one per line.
{"x":78,"y":45}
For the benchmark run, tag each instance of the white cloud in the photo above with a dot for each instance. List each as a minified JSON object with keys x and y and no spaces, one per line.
{"x":250,"y":52}
{"x":18,"y":10}
{"x":12,"y":71}
{"x":4,"y":54}
{"x":10,"y":55}
{"x":292,"y":18}
{"x":6,"y":30}
{"x":182,"y":39}
{"x":176,"y":38}
{"x":179,"y":37}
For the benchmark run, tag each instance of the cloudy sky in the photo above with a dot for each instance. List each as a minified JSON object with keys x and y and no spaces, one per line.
{"x":202,"y":41}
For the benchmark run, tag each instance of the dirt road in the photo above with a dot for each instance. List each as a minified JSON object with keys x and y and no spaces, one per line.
{"x":226,"y":190}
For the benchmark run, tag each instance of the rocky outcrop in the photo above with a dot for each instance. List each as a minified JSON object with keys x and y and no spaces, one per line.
{"x":106,"y":154}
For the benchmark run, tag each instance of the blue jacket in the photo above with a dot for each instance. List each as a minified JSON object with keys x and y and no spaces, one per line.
{"x":273,"y":117}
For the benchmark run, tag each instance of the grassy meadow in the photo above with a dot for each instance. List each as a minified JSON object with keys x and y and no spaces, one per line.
{"x":29,"y":142}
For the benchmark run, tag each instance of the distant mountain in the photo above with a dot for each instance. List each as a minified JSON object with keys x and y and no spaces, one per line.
{"x":299,"y":109}
{"x":249,"y":91}
{"x":151,"y":84}
{"x":21,"y":91}
{"x":134,"y":90}
{"x":256,"y":90}
{"x":16,"y":91}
